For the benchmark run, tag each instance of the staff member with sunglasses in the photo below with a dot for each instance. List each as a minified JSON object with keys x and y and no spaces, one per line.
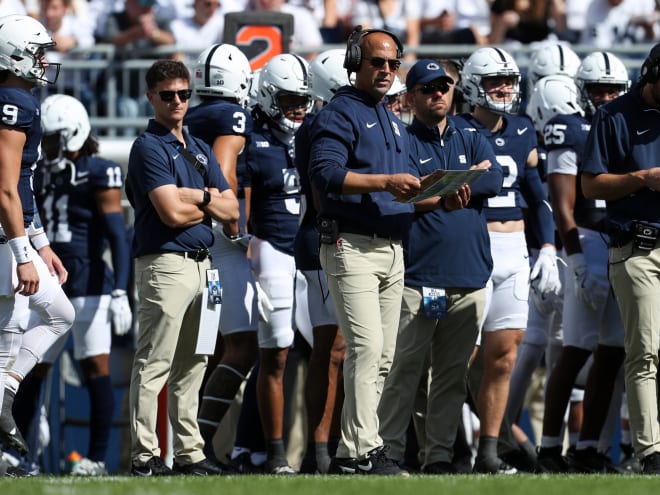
{"x":359,"y":169}
{"x":175,"y":185}
{"x":447,"y":252}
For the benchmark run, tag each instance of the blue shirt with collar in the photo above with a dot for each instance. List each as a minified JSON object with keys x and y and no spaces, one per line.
{"x":625,"y":137}
{"x":358,"y":134}
{"x":156,"y":160}
{"x":450,"y":249}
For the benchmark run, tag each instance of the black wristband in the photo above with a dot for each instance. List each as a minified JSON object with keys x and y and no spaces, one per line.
{"x":207,"y":198}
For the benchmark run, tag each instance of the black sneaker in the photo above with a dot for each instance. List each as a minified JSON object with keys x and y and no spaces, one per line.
{"x":629,"y":463}
{"x":520,"y":460}
{"x":278,"y":466}
{"x":588,"y":461}
{"x":204,"y":467}
{"x":486,"y":465}
{"x":342,"y":465}
{"x":550,"y":460}
{"x":242,"y":464}
{"x":463,"y":464}
{"x":10,"y":437}
{"x":378,"y":463}
{"x":308,"y":465}
{"x":17,"y":472}
{"x":154,"y":467}
{"x":651,"y":463}
{"x":440,"y":467}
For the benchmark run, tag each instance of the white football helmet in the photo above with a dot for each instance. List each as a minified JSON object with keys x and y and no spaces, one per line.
{"x":490,"y":62}
{"x":64,"y":114}
{"x":283,"y":74}
{"x":551,"y":59}
{"x":327,"y":74}
{"x":254,"y":89}
{"x":23,"y":41}
{"x":222,"y":70}
{"x":553,"y":95}
{"x":398,"y":88}
{"x":600,"y":68}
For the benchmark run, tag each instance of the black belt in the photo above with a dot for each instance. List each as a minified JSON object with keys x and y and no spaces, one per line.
{"x":354,"y":229}
{"x":199,"y":255}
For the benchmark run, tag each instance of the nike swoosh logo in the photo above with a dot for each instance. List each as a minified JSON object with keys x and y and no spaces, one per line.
{"x":639,"y":133}
{"x":82,"y":175}
{"x":366,"y":468}
{"x":371,"y":124}
{"x":425,"y":160}
{"x":522,"y":131}
{"x":174,"y":157}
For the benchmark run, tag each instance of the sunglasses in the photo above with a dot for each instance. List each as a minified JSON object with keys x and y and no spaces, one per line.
{"x":429,"y":89}
{"x":183,"y":94}
{"x":379,"y":62}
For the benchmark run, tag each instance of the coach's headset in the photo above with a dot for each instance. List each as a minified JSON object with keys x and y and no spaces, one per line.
{"x":650,"y":71}
{"x":353,"y":57}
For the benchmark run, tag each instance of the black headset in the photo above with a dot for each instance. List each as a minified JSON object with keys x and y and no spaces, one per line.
{"x":353,"y":57}
{"x":650,"y":71}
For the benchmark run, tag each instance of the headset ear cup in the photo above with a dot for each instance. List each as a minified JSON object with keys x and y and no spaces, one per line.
{"x":650,"y":72}
{"x":356,"y":58}
{"x":353,"y":57}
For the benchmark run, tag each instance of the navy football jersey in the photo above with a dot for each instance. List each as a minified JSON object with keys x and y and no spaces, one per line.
{"x":74,"y":224}
{"x":275,"y":197}
{"x":19,"y":109}
{"x":512,"y":146}
{"x":214,"y":118}
{"x":570,"y":132}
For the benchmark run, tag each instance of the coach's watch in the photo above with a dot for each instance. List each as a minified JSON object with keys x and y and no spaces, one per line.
{"x":207,"y":198}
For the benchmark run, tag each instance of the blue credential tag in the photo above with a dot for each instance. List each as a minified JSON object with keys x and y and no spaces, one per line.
{"x":215,"y":290}
{"x":434,"y":303}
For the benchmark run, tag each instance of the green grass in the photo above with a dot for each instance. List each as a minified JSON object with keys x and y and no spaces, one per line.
{"x":335,"y":485}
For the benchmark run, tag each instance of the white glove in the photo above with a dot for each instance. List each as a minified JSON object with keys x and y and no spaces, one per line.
{"x":263,"y":303}
{"x":546,"y":268}
{"x":546,"y":303}
{"x":590,"y":289}
{"x":120,"y":311}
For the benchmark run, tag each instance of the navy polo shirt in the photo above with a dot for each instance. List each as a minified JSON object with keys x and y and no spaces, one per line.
{"x":625,"y":137}
{"x":451,"y":249}
{"x":156,"y":160}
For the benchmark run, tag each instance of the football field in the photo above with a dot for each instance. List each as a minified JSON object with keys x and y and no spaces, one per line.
{"x":335,"y":485}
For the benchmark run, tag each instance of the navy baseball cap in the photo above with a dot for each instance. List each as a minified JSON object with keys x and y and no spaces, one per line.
{"x":424,"y":71}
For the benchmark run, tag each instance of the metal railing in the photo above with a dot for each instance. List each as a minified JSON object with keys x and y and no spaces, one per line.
{"x":112,"y":86}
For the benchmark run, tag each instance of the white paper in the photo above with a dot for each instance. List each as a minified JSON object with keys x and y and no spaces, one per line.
{"x":444,"y":182}
{"x":209,"y":321}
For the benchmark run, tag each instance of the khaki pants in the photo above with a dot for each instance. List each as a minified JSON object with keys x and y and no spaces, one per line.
{"x":635,"y":278}
{"x":170,"y":289}
{"x":365,"y":279}
{"x":450,"y":342}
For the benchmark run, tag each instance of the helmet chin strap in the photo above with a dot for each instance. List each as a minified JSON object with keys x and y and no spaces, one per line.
{"x":285,"y":132}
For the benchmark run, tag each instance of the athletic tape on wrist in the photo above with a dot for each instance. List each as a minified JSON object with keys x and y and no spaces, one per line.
{"x":40,"y":240}
{"x":20,"y":247}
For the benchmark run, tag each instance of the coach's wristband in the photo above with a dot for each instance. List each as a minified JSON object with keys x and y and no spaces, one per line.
{"x":20,"y":248}
{"x":40,"y":240}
